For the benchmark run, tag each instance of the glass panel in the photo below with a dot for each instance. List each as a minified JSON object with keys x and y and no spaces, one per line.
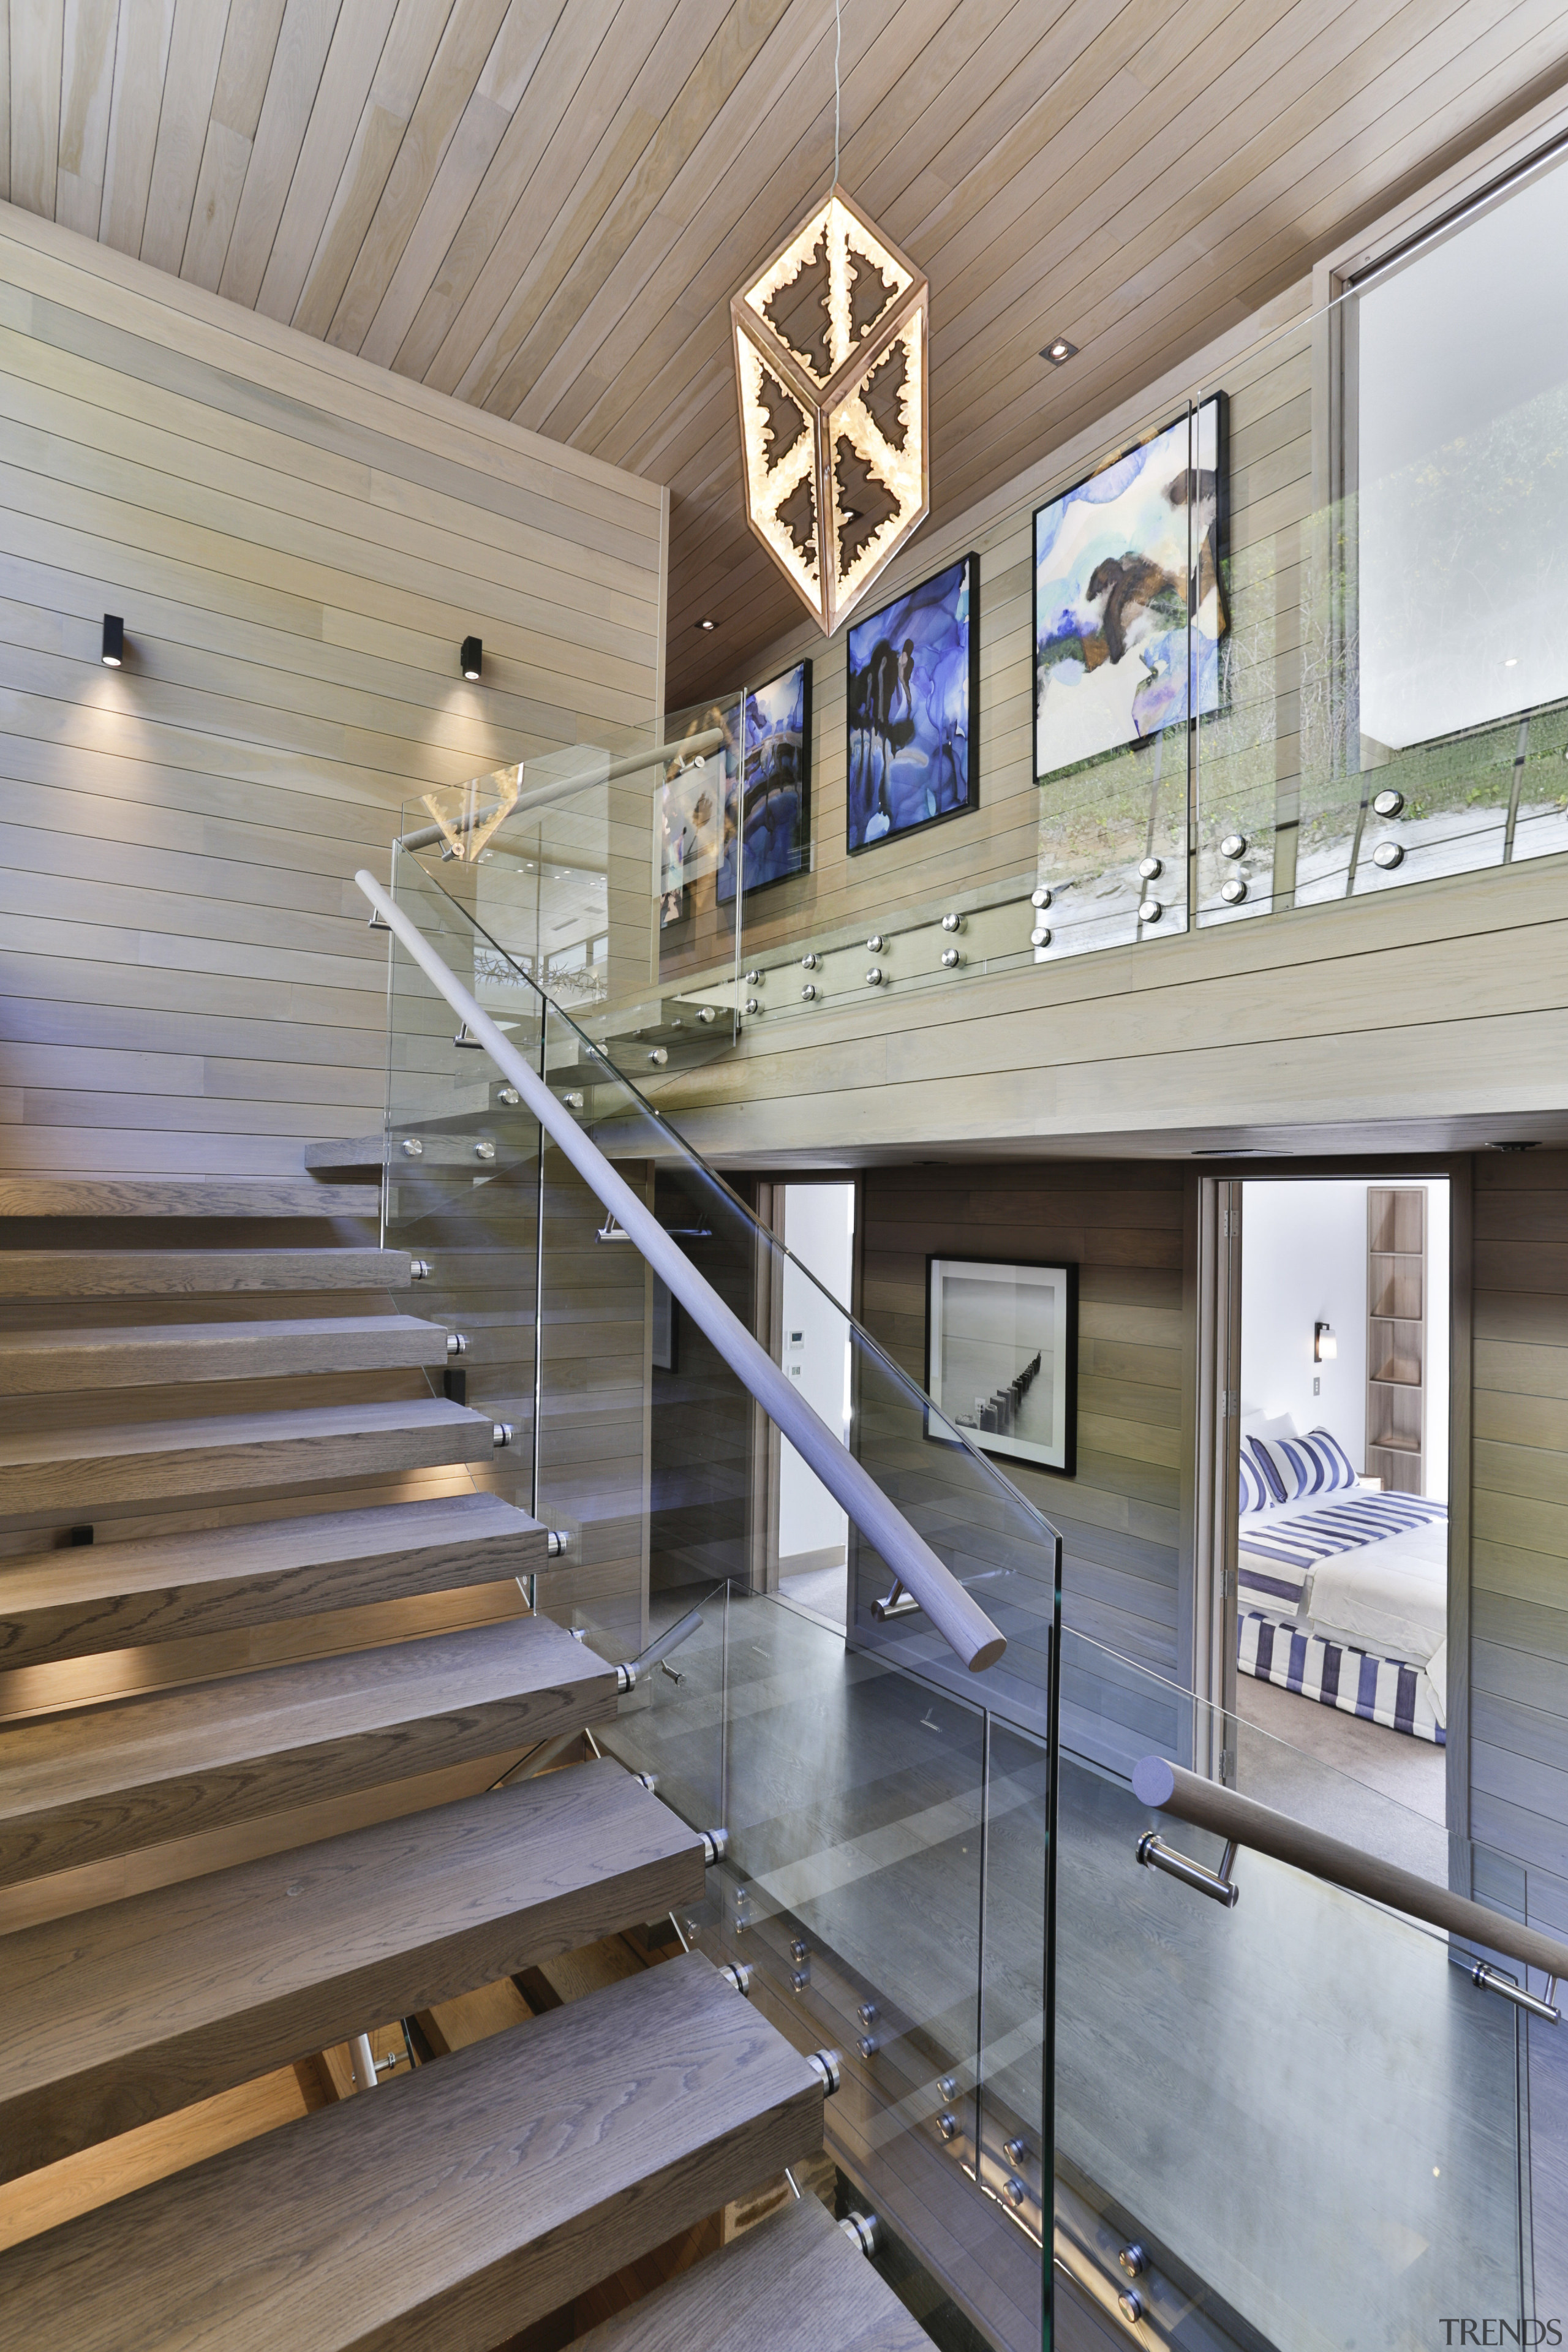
{"x":1012,"y":2125}
{"x":462,"y":1189}
{"x":711,"y":1516}
{"x":697,"y":828}
{"x":1300,"y":2108}
{"x":886,"y":1812}
{"x":867,"y":1813}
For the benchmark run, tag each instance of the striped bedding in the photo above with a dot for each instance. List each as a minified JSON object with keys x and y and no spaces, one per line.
{"x":1380,"y":1690}
{"x":1278,"y":1642}
{"x":1275,"y":1557}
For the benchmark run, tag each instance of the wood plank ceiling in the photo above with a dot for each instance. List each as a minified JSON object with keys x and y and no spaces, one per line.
{"x":543,"y":206}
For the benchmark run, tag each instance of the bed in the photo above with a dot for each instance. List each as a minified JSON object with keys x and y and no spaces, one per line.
{"x":1342,"y":1590}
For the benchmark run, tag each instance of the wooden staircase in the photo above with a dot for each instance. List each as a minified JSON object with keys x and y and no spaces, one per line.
{"x":267,"y":1678}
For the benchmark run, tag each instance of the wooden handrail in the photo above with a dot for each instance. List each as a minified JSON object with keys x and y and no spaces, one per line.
{"x":1242,"y":1820}
{"x":957,"y":1617}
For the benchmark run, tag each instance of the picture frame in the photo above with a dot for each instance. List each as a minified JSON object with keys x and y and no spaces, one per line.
{"x":912,"y":709}
{"x":1113,"y":557}
{"x":1001,"y":1358}
{"x":772,"y":840}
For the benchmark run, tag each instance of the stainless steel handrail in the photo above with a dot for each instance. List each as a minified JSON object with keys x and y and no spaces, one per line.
{"x":561,"y":788}
{"x":1169,"y":1788}
{"x":957,"y":1617}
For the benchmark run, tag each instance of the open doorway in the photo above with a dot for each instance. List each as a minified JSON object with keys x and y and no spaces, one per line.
{"x":813,"y":1532}
{"x":1342,"y":1535}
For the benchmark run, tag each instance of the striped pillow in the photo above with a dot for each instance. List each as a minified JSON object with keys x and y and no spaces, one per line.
{"x":1337,"y":1467}
{"x":1293,"y":1467}
{"x":1254,"y":1495}
{"x":1271,"y":1466}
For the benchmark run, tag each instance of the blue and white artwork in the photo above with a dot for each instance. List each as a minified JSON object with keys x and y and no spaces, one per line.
{"x":913,"y":698}
{"x":1115,"y":660}
{"x":774,"y":833}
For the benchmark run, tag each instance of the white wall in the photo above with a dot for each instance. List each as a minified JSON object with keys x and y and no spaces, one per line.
{"x":1304,"y":1260}
{"x":819,"y":1226}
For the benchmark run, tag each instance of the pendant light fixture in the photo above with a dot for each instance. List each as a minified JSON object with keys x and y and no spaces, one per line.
{"x":830,"y":342}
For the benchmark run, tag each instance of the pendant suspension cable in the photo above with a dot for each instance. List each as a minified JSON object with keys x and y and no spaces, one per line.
{"x":837,"y":45}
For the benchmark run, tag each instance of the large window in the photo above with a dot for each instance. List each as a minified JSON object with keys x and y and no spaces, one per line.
{"x":1460,"y":415}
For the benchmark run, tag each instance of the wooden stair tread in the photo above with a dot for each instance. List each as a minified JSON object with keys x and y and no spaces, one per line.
{"x":128,"y":2012}
{"x":168,"y":1273}
{"x":126,"y":1196}
{"x":794,"y":2283}
{"x":368,"y":1151}
{"x":136,"y":1355}
{"x":448,"y":1147}
{"x":454,"y":2206}
{"x":70,"y":1469}
{"x":75,"y":1602}
{"x":79,"y":1786}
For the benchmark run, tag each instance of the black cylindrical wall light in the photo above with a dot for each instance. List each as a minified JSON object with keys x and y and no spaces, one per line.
{"x":113,"y":652}
{"x":472,"y":657}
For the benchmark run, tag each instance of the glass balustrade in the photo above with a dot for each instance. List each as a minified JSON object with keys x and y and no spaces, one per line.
{"x":1299,"y":2120}
{"x":884,"y":1883}
{"x":861,"y":1775}
{"x":596,"y":1310}
{"x":1299,"y":2113}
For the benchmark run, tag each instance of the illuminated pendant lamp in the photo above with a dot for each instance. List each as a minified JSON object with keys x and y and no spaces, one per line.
{"x":830,"y":365}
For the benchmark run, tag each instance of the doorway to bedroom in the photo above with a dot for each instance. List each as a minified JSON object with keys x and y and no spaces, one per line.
{"x":812,"y":1532}
{"x":1341,"y":1508}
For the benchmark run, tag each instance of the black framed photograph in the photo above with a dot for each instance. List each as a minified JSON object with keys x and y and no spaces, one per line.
{"x":1115,"y":659}
{"x":913,"y":709}
{"x":1002,"y":1356}
{"x":773,"y":840}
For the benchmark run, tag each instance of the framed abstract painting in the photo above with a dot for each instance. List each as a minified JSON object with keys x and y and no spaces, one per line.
{"x":1002,"y":1356}
{"x":774,"y":833}
{"x":913,"y":709}
{"x":1115,"y":660}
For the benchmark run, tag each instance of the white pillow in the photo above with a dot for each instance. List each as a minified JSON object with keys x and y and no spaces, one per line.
{"x":1263,"y":1424}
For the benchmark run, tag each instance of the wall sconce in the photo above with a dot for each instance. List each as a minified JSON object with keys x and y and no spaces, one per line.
{"x":113,"y":653}
{"x":472,"y":657}
{"x":1325,"y":1347}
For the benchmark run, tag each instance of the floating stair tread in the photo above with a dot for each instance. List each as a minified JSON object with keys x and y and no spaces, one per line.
{"x":356,"y":1152}
{"x":454,"y":2206}
{"x":171,"y":1273}
{"x":448,"y":1146}
{"x":73,"y":1196}
{"x":136,"y":1461}
{"x":75,"y":1602}
{"x":76,"y":1787}
{"x":124,"y":2013}
{"x":136,"y":1355}
{"x":794,"y":2283}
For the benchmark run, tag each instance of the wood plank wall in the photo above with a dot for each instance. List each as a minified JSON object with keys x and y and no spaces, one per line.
{"x":1519,"y":1604}
{"x":297,"y":541}
{"x":1121,"y":1225}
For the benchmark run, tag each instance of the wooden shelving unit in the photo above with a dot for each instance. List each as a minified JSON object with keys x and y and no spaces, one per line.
{"x":1396,"y":1337}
